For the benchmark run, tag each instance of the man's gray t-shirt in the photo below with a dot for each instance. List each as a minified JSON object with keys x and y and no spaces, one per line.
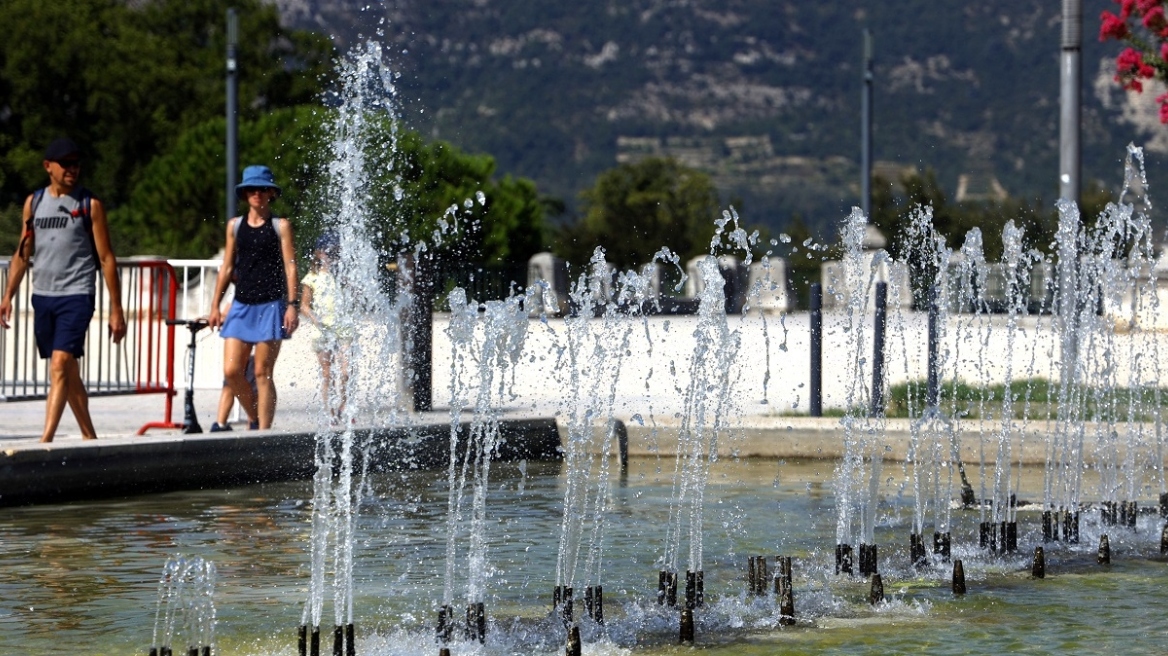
{"x":64,"y":262}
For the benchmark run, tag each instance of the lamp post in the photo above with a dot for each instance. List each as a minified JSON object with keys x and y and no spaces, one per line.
{"x":866,"y":130}
{"x":1071,"y":75}
{"x":232,"y":114}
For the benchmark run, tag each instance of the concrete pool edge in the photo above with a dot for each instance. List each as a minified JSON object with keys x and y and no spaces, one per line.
{"x":62,"y":471}
{"x":124,"y":466}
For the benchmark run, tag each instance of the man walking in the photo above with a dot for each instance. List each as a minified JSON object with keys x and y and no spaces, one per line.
{"x":65,"y":228}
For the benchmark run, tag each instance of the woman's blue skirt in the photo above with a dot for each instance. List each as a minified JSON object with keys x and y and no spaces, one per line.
{"x":255,"y":323}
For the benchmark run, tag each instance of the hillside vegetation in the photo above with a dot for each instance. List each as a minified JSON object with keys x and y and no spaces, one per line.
{"x":762,"y":94}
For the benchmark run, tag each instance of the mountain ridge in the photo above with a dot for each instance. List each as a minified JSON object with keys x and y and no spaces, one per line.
{"x":763,"y":95}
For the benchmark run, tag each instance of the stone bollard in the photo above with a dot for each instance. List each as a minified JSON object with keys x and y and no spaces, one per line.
{"x":958,"y":577}
{"x":1104,"y":550}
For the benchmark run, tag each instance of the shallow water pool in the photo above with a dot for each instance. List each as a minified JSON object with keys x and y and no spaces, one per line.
{"x":83,"y":577}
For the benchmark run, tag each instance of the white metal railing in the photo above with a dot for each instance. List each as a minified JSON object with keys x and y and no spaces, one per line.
{"x":196,"y":286}
{"x":143,"y":363}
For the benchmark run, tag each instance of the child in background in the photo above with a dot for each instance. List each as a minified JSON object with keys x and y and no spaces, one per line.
{"x":319,"y":295}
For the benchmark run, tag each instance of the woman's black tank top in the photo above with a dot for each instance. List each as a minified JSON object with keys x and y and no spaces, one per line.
{"x":259,"y":265}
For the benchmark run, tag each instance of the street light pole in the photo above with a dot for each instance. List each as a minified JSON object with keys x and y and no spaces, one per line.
{"x":232,"y":113}
{"x":1071,"y":76}
{"x":866,"y":130}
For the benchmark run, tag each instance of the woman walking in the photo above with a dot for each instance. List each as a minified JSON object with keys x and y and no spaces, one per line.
{"x":260,"y":259}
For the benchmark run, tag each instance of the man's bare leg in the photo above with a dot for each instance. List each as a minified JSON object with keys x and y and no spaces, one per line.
{"x":65,"y":386}
{"x":235,"y":355}
{"x":265,"y":361}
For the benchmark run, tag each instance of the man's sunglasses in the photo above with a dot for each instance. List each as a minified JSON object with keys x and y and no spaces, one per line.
{"x":69,"y":163}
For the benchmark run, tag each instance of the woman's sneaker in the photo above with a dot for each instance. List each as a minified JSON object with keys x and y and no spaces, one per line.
{"x":219,"y":428}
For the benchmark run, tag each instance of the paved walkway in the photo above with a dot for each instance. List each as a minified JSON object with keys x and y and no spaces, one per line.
{"x":758,"y":436}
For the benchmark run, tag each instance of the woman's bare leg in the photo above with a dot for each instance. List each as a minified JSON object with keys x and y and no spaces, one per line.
{"x":235,"y":356}
{"x":265,"y":362}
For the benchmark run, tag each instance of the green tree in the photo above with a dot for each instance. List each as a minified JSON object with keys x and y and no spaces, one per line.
{"x":892,"y":213}
{"x":442,"y":184}
{"x":126,"y":80}
{"x":635,"y":209}
{"x":176,"y":209}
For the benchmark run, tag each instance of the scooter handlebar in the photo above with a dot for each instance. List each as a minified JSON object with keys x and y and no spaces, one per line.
{"x":193,"y":324}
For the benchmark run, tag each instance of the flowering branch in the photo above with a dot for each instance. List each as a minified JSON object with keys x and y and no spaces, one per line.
{"x":1143,"y":26}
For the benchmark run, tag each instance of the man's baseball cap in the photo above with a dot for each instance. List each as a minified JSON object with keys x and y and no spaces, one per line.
{"x":62,"y":148}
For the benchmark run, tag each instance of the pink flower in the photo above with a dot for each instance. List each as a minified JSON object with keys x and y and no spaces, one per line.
{"x":1129,"y":62}
{"x":1130,"y":67}
{"x":1164,"y":51}
{"x":1130,"y":84}
{"x":1112,"y":27}
{"x":1125,"y":8}
{"x":1163,"y":100}
{"x":1144,"y":6}
{"x":1154,"y":19}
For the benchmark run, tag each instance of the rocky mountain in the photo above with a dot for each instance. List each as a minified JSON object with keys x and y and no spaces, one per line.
{"x":763,"y":94}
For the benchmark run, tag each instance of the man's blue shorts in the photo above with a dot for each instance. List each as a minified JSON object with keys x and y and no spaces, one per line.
{"x":60,"y":323}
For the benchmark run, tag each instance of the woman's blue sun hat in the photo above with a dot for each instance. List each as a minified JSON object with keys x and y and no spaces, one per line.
{"x":257,"y":176}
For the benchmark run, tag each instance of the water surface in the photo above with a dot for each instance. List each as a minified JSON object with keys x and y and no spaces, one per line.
{"x":83,"y":577}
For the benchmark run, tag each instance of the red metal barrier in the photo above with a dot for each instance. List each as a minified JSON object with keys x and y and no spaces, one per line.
{"x":142,"y":364}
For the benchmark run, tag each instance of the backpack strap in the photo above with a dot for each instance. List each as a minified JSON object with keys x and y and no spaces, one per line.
{"x":31,"y":222}
{"x":37,"y":197}
{"x":87,"y":219}
{"x":277,"y":224}
{"x":86,"y":201}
